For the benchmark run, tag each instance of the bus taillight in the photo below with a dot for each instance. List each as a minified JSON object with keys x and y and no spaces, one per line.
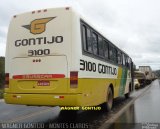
{"x":73,"y":79}
{"x":7,"y":80}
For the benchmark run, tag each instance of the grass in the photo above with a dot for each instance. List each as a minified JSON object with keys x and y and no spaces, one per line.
{"x":1,"y":93}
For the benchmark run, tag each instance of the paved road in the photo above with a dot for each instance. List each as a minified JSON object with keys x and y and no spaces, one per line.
{"x":29,"y":114}
{"x":144,"y":113}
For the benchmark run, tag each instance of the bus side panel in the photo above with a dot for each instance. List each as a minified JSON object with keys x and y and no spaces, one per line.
{"x":128,"y":87}
{"x":94,"y":90}
{"x":124,"y":81}
{"x":93,"y":86}
{"x":118,"y":83}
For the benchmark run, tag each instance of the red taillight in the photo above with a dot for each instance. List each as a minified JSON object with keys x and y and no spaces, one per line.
{"x":74,"y":79}
{"x":61,"y":97}
{"x":7,"y":80}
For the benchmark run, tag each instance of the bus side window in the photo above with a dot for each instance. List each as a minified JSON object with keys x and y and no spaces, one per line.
{"x":119,"y":58}
{"x":115,"y":55}
{"x":124,"y":63}
{"x":86,"y":39}
{"x":129,"y":62}
{"x":95,"y":43}
{"x":110,"y":52}
{"x":100,"y":46}
{"x":106,"y":49}
{"x":89,"y":41}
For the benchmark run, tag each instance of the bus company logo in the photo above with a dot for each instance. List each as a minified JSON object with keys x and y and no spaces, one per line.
{"x":38,"y":26}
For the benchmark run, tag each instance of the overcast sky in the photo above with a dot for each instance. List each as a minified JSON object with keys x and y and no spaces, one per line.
{"x":132,"y":25}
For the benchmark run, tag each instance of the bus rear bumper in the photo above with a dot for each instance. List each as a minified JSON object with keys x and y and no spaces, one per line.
{"x":45,"y":99}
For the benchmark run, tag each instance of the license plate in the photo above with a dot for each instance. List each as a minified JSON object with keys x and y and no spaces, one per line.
{"x":43,"y":83}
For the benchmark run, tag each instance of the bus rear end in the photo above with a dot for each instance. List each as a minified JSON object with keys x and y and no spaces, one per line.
{"x":37,"y":58}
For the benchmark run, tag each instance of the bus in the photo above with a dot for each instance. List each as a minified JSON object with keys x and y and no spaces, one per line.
{"x":54,"y":57}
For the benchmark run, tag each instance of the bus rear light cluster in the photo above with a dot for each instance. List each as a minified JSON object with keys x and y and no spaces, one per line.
{"x":16,"y":96}
{"x":7,"y":80}
{"x":73,"y":79}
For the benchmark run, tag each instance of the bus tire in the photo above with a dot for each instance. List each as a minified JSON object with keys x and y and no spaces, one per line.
{"x":109,"y":101}
{"x":127,"y":95}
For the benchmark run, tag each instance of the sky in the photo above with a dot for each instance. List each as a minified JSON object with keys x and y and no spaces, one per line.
{"x":132,"y":25}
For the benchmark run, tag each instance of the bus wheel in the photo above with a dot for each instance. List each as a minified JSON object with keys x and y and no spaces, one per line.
{"x":127,"y":95}
{"x":109,"y":102}
{"x":110,"y":99}
{"x":107,"y":106}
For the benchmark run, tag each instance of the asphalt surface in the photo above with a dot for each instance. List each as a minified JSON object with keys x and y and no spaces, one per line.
{"x":144,"y":113}
{"x":83,"y":119}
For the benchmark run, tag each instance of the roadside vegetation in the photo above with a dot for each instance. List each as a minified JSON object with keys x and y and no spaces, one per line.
{"x":1,"y":93}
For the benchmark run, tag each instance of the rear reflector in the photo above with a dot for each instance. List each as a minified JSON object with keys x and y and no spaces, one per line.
{"x":16,"y":96}
{"x":74,"y":79}
{"x":59,"y":97}
{"x":7,"y":80}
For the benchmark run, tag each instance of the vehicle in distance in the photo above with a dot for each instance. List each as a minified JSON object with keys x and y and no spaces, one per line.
{"x":154,"y":76}
{"x":148,"y":72}
{"x":55,"y":57}
{"x":136,"y":84}
{"x":141,"y":77}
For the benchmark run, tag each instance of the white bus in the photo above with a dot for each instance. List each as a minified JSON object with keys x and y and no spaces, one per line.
{"x":55,"y":57}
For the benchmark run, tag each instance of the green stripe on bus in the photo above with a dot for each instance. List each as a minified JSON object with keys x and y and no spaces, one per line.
{"x":123,"y":81}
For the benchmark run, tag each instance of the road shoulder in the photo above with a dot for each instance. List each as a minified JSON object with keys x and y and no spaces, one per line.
{"x":1,"y":100}
{"x":112,"y":119}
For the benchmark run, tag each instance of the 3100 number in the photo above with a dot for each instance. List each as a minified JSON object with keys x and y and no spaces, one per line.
{"x":38,"y":52}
